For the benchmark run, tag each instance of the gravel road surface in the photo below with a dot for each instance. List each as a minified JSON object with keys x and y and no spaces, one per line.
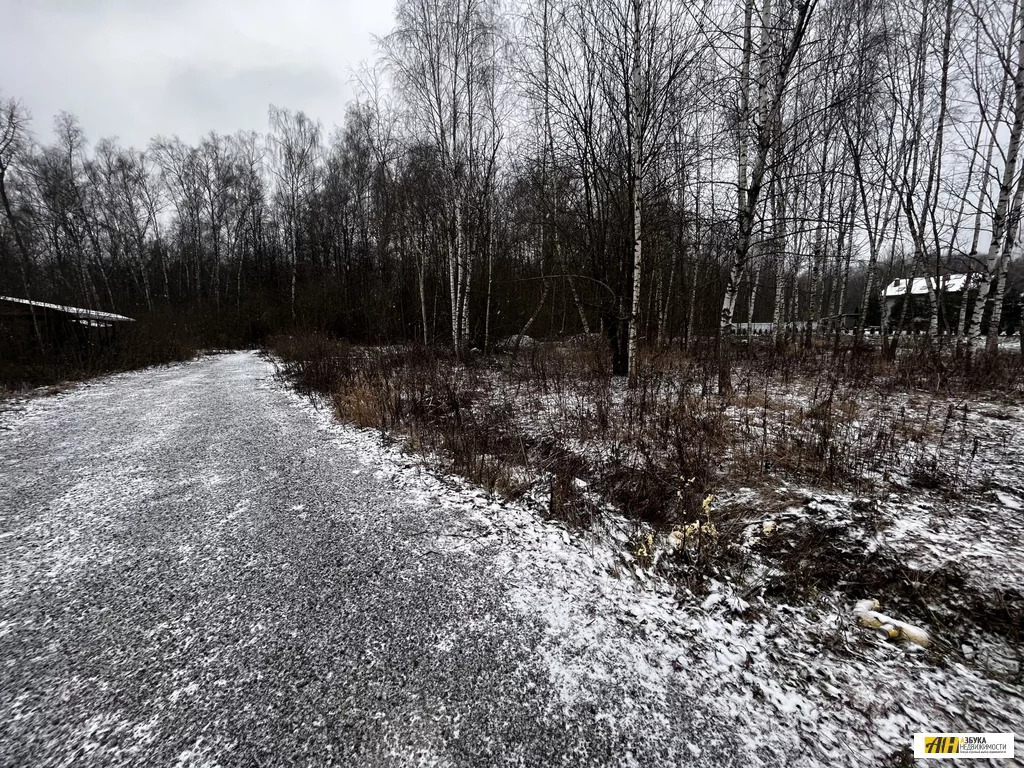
{"x":194,"y":571}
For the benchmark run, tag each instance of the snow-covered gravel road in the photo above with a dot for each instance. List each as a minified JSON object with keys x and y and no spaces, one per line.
{"x":196,"y":570}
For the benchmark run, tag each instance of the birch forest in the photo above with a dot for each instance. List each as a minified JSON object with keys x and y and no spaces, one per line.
{"x":660,"y":173}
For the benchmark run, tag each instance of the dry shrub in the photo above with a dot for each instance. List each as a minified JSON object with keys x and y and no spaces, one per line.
{"x":550,"y":416}
{"x":428,"y":396}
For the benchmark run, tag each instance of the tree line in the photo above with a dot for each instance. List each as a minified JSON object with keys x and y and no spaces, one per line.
{"x":649,"y":170}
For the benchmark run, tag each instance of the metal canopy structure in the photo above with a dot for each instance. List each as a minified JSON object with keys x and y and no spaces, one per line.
{"x":12,"y":306}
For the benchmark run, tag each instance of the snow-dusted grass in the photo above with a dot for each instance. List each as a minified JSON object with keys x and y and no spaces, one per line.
{"x":798,"y":682}
{"x":828,"y":487}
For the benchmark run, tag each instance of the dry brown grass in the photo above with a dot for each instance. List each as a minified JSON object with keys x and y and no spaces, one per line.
{"x":552,"y":420}
{"x":553,"y":412}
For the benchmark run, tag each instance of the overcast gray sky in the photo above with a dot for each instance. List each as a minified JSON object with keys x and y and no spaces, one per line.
{"x":136,"y":68}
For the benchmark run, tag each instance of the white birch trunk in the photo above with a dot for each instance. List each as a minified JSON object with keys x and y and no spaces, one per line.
{"x":665,"y":303}
{"x":999,"y":219}
{"x":636,"y":170}
{"x":992,"y":343}
{"x":753,"y":299}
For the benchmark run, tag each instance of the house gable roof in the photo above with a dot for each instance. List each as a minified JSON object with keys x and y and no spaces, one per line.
{"x":920,"y":286}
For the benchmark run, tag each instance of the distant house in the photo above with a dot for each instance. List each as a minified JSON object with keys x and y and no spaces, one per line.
{"x":919,"y":288}
{"x":58,"y":323}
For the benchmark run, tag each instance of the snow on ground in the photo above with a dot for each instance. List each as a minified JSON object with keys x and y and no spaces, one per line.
{"x":282,"y":603}
{"x":972,"y":451}
{"x":971,"y":447}
{"x":799,"y":684}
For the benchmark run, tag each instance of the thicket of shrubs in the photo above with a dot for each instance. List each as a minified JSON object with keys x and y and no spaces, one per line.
{"x":473,"y":414}
{"x":550,"y":417}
